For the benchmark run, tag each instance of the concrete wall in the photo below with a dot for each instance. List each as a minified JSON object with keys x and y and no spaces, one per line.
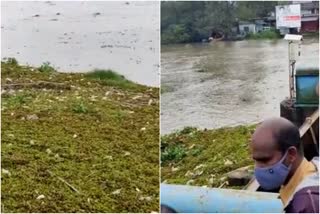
{"x":247,"y":28}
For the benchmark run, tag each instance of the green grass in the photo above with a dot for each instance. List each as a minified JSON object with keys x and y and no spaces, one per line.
{"x":12,"y":61}
{"x":46,"y":68}
{"x":267,"y":34}
{"x":18,"y":100}
{"x":80,"y":108}
{"x":90,"y":136}
{"x":111,"y":78}
{"x":173,"y":153}
{"x":200,"y":155}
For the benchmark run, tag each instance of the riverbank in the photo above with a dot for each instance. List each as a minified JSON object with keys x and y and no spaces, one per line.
{"x":266,"y":35}
{"x":203,"y":157}
{"x":77,"y":142}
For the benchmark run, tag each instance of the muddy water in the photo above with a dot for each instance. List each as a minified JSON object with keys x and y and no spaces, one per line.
{"x":244,"y":82}
{"x":81,"y":36}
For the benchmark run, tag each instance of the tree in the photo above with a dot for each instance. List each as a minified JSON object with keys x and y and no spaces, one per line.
{"x":192,"y":21}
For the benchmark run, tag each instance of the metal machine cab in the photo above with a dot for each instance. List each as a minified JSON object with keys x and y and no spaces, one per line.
{"x":306,"y":84}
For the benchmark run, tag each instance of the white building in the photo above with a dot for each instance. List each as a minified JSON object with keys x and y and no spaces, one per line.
{"x":247,"y":27}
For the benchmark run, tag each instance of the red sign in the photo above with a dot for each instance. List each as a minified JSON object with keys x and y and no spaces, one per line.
{"x":292,"y":18}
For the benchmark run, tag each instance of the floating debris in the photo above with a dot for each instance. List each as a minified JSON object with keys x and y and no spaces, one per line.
{"x":199,"y":166}
{"x":40,"y":197}
{"x":145,"y":198}
{"x":32,"y":117}
{"x":49,"y":151}
{"x":189,"y":174}
{"x":228,"y":163}
{"x":108,"y":157}
{"x":116,"y":192}
{"x":136,"y":97}
{"x":96,"y":14}
{"x":192,"y":146}
{"x":211,"y":181}
{"x":150,"y":102}
{"x":8,"y":80}
{"x":174,"y":169}
{"x":5,"y":172}
{"x":189,"y":182}
{"x":11,"y":135}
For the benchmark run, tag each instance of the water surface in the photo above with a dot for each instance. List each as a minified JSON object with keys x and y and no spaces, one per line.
{"x":244,"y":83}
{"x":80,"y":36}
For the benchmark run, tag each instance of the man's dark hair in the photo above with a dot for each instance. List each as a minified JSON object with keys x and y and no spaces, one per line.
{"x":286,"y":136}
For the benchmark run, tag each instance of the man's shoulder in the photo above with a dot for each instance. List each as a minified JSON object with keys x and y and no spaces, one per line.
{"x":306,"y":200}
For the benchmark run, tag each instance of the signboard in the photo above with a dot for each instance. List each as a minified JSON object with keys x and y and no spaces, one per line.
{"x":288,"y":16}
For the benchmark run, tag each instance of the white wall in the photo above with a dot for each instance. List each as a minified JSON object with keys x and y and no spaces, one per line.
{"x":251,"y":27}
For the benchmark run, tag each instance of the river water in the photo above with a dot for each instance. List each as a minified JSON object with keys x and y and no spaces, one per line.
{"x":244,"y":82}
{"x":80,"y":36}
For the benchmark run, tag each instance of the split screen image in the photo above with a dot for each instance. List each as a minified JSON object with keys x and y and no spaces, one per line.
{"x":159,"y":106}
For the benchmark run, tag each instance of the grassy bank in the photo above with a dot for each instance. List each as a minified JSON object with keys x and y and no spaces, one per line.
{"x":203,"y":157}
{"x":77,"y":142}
{"x":267,"y":34}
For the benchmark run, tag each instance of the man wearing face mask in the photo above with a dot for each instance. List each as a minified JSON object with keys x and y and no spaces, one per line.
{"x":280,"y":166}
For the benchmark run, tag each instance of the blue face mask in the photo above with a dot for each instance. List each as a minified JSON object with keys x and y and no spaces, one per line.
{"x":274,"y":176}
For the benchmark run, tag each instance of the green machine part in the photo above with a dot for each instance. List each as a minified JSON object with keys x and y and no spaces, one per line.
{"x":306,"y":81}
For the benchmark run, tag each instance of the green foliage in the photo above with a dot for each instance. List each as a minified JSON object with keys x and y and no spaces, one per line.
{"x":201,"y":155}
{"x":80,"y":108}
{"x":175,"y":33}
{"x":173,"y":148}
{"x":173,"y":153}
{"x":46,"y":68}
{"x":111,"y":78}
{"x":105,"y":75}
{"x":247,"y":10}
{"x":192,"y":21}
{"x":17,"y":100}
{"x":188,"y":130}
{"x":267,"y":34}
{"x":87,"y":150}
{"x":12,"y":61}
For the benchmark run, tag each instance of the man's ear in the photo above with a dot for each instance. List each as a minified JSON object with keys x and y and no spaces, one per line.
{"x":292,"y":154}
